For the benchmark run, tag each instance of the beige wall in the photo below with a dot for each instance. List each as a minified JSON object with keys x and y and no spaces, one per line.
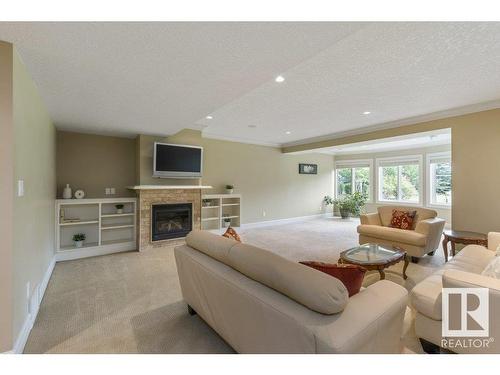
{"x":34,"y":162}
{"x":267,"y":179}
{"x":372,"y":206}
{"x":94,"y":162}
{"x":475,"y":158}
{"x":6,"y":196}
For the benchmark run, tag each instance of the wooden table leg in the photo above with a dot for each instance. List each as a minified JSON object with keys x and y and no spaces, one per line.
{"x":452,"y":248}
{"x":407,"y":261}
{"x":445,"y":248}
{"x":382,"y":274}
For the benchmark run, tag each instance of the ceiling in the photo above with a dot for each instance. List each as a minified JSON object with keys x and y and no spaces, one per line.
{"x":159,"y":78}
{"x":405,"y":142}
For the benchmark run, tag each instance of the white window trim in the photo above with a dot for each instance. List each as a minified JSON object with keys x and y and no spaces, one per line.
{"x":353,"y":164}
{"x":428,"y":188}
{"x":401,"y":159}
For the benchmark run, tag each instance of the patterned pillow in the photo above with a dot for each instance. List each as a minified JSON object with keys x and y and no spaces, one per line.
{"x":403,"y":219}
{"x":231,"y":233}
{"x":350,"y":274}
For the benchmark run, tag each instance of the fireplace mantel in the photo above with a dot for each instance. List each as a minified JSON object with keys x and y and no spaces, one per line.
{"x":168,"y":187}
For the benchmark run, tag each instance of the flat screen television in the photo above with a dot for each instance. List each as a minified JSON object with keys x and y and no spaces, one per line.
{"x":177,"y":161}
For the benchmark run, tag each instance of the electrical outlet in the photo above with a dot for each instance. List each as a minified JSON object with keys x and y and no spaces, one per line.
{"x":112,"y":191}
{"x":20,"y":188}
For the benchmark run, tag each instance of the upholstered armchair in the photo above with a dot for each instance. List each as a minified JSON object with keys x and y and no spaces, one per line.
{"x":423,"y":239}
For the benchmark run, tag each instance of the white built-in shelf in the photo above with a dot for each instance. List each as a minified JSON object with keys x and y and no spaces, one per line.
{"x":118,"y":215}
{"x":118,"y":226}
{"x":106,"y":231}
{"x":84,"y":222}
{"x":86,"y":245}
{"x":167,"y":187}
{"x":227,"y":206}
{"x":210,"y":218}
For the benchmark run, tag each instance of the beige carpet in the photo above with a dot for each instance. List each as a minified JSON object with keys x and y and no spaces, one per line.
{"x":131,"y":302}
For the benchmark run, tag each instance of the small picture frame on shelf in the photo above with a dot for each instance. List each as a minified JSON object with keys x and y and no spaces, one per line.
{"x":305,"y":168}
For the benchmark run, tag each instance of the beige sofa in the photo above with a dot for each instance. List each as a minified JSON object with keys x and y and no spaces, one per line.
{"x":463,"y":271}
{"x":424,"y":239}
{"x":259,"y":302}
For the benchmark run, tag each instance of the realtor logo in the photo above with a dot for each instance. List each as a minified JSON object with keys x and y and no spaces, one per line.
{"x":465,"y":312}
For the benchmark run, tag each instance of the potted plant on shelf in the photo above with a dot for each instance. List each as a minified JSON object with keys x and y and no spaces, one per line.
{"x":78,"y":239}
{"x":119,"y":208}
{"x":207,"y":202}
{"x":349,"y":204}
{"x":229,"y":189}
{"x":227,"y":222}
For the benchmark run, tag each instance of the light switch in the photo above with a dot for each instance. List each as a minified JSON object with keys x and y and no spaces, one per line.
{"x":20,"y":188}
{"x":107,"y":191}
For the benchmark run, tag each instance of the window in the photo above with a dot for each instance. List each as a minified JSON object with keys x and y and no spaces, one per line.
{"x":439,"y":167}
{"x":399,"y":180}
{"x":353,"y":176}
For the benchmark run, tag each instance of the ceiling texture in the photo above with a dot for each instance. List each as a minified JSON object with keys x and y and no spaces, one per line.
{"x":159,"y":78}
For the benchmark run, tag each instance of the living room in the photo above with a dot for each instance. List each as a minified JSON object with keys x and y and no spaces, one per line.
{"x":305,"y":187}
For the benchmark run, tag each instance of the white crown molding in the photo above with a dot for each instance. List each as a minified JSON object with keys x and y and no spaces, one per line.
{"x":208,"y":135}
{"x":478,"y":107}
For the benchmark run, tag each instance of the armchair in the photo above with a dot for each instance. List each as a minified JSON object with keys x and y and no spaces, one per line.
{"x":424,"y":239}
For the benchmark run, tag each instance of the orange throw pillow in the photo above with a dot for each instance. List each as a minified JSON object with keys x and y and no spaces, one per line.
{"x":231,"y":233}
{"x":403,"y":219}
{"x":350,"y":274}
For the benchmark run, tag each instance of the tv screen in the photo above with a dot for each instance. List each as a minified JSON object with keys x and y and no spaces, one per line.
{"x":177,"y":161}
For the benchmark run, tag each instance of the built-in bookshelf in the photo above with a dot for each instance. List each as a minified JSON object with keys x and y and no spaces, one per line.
{"x":107,"y":229}
{"x":217,"y":208}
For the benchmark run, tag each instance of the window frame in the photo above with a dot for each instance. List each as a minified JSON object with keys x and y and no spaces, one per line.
{"x":401,"y":160}
{"x":428,"y":172}
{"x":355,"y":163}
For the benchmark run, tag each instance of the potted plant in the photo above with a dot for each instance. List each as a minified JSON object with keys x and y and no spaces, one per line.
{"x":207,"y":202}
{"x":227,"y":222}
{"x":78,"y":239}
{"x":229,"y":189}
{"x":119,"y":208}
{"x":348,"y":205}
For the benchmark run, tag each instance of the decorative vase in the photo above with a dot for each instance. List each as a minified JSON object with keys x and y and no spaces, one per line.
{"x":227,"y":224}
{"x":67,"y":193}
{"x":344,"y":214}
{"x":119,"y":210}
{"x":229,"y":191}
{"x":78,"y":244}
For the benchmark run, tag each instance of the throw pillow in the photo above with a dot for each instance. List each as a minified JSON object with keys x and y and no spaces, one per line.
{"x":493,"y":268}
{"x":403,"y":219}
{"x":350,"y":274}
{"x":231,"y":233}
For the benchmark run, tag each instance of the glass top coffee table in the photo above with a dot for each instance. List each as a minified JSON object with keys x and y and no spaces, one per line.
{"x":375,"y":257}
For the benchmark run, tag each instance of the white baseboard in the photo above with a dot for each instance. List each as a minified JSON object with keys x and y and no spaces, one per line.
{"x":22,"y":338}
{"x":259,"y":224}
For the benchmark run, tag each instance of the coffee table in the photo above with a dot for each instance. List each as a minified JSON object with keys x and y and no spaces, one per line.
{"x":463,"y":237}
{"x":375,"y":257}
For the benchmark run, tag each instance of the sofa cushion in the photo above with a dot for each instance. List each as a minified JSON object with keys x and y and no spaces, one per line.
{"x":385,"y":213}
{"x":402,"y":219}
{"x":315,"y":290}
{"x":393,"y":234}
{"x":351,"y":275}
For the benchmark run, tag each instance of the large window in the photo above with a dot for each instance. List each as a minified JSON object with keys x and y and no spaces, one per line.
{"x":353,"y":177}
{"x":439,"y":167}
{"x":399,"y":180}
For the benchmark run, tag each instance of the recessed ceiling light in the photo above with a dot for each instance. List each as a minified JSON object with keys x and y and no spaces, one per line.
{"x":279,"y":79}
{"x":366,"y":112}
{"x":252,"y":126}
{"x":209,"y":117}
{"x":288,"y":132}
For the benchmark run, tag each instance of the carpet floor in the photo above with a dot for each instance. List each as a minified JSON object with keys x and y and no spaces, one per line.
{"x":132,"y":303}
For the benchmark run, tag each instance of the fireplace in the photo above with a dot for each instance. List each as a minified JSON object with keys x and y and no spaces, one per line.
{"x":171,"y":221}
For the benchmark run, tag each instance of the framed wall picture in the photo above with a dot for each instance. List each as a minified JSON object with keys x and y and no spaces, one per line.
{"x":308,"y":168}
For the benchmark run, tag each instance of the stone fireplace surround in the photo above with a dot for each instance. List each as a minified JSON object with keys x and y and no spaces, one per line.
{"x":149,"y":195}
